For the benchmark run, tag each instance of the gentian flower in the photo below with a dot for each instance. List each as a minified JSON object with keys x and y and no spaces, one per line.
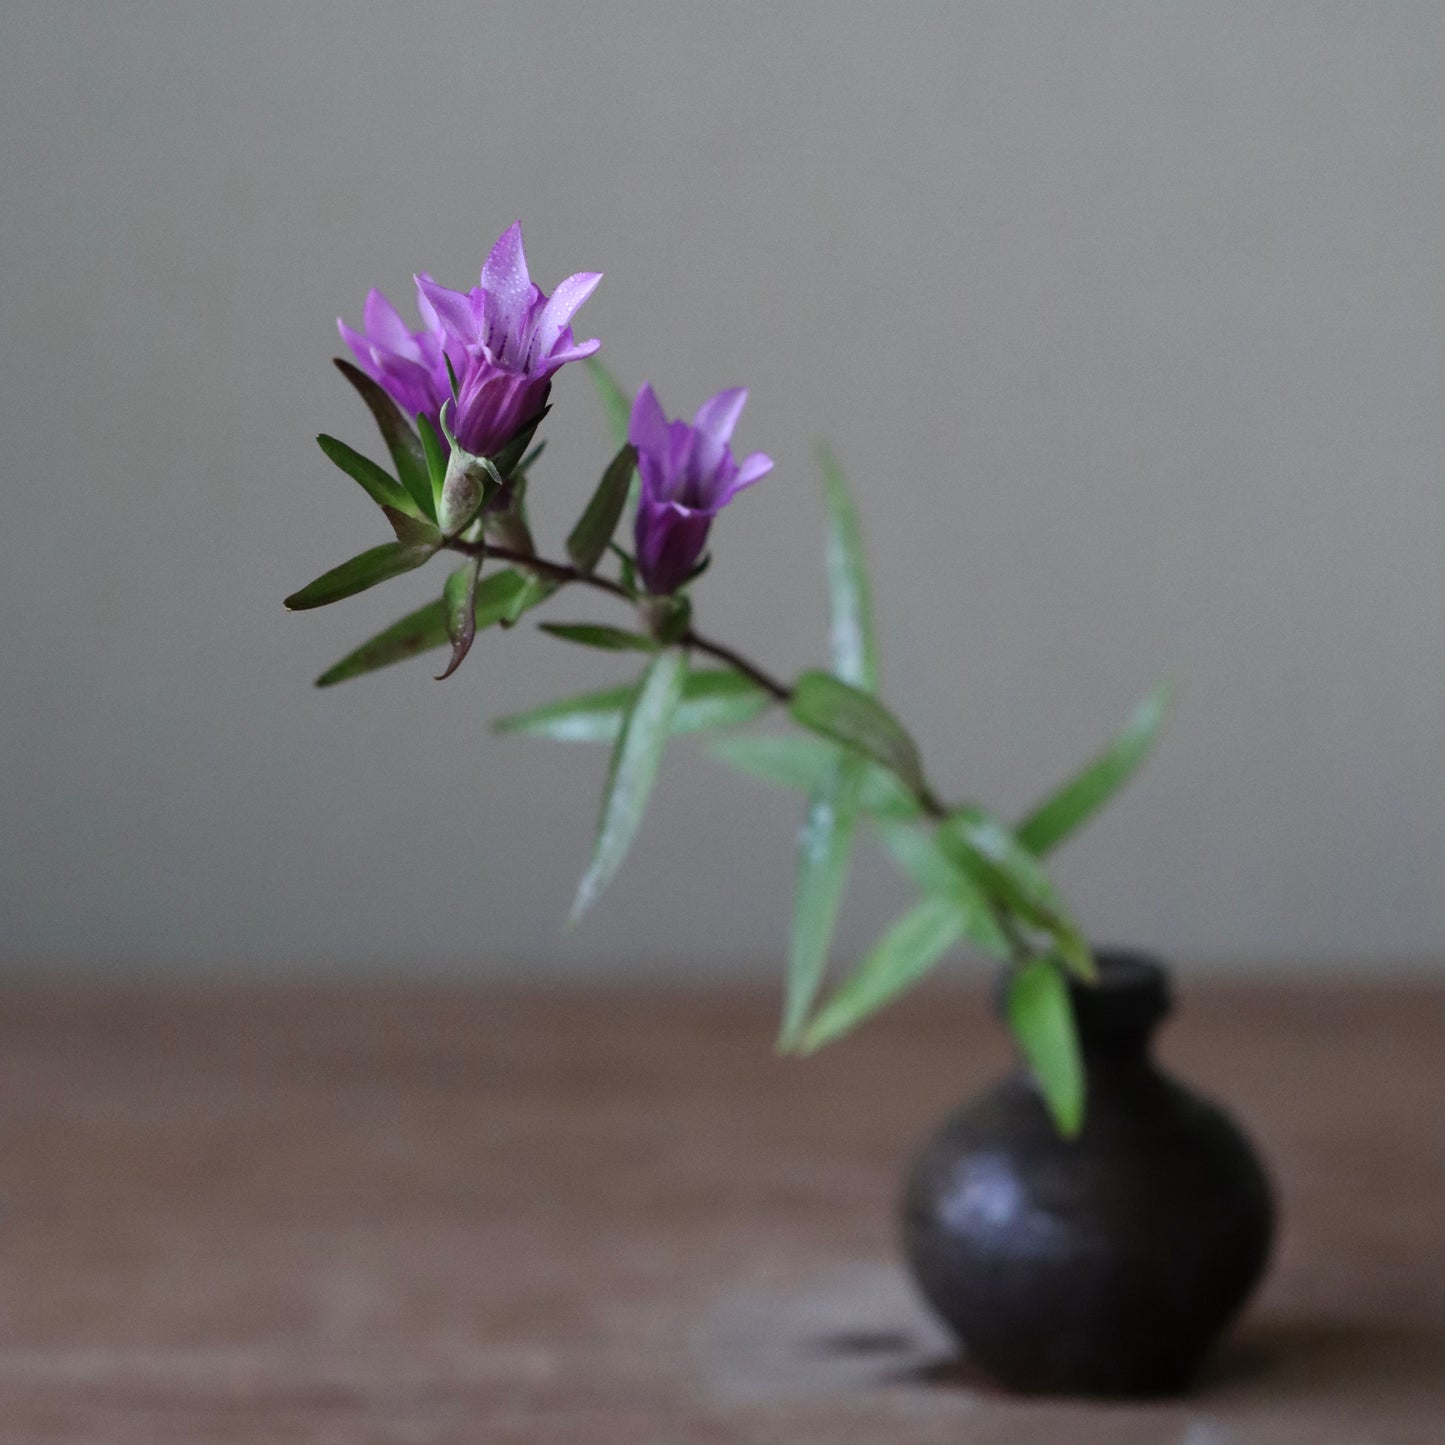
{"x":407,"y":365}
{"x":688,"y":476}
{"x":505,"y":339}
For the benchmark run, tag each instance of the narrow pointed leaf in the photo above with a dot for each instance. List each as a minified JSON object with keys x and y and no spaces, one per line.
{"x":1010,"y":874}
{"x":710,"y":698}
{"x":379,"y":564}
{"x":423,"y":630}
{"x":633,"y":771}
{"x":412,"y":531}
{"x":824,"y":854}
{"x":608,"y":639}
{"x":906,"y":952}
{"x":401,"y":441}
{"x":832,"y":708}
{"x":536,"y":592}
{"x":917,"y":856}
{"x":459,"y":601}
{"x":791,"y":760}
{"x":1087,"y":791}
{"x":436,"y":465}
{"x":1041,"y":1018}
{"x":589,"y":538}
{"x":851,"y":645}
{"x":616,"y":404}
{"x":381,"y":487}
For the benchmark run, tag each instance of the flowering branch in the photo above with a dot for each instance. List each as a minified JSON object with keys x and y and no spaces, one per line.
{"x":457,"y":404}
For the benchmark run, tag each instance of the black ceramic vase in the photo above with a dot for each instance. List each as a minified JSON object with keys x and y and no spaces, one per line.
{"x":1108,"y":1264}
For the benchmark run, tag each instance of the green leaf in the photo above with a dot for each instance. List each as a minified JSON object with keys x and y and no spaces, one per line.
{"x":851,"y":644}
{"x":616,"y":404}
{"x":589,"y":538}
{"x":1010,"y":874}
{"x":710,"y":698}
{"x":824,"y":854}
{"x":908,"y":950}
{"x":459,"y":601}
{"x":536,"y":592}
{"x":799,"y":761}
{"x":423,"y":630}
{"x":401,"y":441}
{"x":412,"y":531}
{"x":379,"y":564}
{"x":1088,"y":790}
{"x":436,"y":464}
{"x":825,"y":705}
{"x":382,"y":488}
{"x":1041,"y":1018}
{"x":608,"y":639}
{"x":633,"y":771}
{"x":916,"y":855}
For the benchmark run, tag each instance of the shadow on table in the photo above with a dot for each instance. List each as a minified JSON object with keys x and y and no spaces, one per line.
{"x":1289,"y":1360}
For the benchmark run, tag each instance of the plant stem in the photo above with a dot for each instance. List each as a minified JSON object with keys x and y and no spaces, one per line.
{"x":564,"y":573}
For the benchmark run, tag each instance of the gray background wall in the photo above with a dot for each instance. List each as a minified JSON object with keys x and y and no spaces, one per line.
{"x":1126,"y":320}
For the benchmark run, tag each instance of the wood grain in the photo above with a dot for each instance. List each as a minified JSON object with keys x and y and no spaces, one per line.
{"x":370,"y":1214}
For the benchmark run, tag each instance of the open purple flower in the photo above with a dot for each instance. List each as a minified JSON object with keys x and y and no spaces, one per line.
{"x":505,"y":339}
{"x":407,"y":365}
{"x":688,"y":476}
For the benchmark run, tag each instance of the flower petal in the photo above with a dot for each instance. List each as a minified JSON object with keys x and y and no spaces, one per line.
{"x":509,"y":295}
{"x":753,"y":469}
{"x":717,"y":416}
{"x":384,"y":325}
{"x":453,"y":309}
{"x":559,"y":311}
{"x":647,"y":427}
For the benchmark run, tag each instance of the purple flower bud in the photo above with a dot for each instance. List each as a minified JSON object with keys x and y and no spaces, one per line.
{"x":688,"y":476}
{"x":504,"y":339}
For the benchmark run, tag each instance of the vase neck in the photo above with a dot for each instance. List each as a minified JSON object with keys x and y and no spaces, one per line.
{"x":1117,"y":1015}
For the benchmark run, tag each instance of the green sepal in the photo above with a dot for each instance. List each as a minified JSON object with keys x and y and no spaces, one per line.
{"x":1065,"y":809}
{"x":467,"y":483}
{"x":424,"y":629}
{"x":379,"y":485}
{"x":589,"y":539}
{"x":1041,"y":1019}
{"x":380,"y":564}
{"x":632,"y":773}
{"x":401,"y":441}
{"x":607,"y":639}
{"x":908,"y":950}
{"x":1010,"y":874}
{"x":711,"y":698}
{"x":825,"y":705}
{"x":459,"y":601}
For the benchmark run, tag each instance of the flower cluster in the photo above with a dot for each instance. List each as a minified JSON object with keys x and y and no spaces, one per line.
{"x":504,"y":340}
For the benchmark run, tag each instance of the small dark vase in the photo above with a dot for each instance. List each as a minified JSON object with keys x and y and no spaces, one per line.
{"x":1108,"y":1264}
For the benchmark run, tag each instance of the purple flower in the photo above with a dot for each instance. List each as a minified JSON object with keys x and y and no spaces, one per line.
{"x":504,"y":339}
{"x":688,"y":477}
{"x":407,"y":365}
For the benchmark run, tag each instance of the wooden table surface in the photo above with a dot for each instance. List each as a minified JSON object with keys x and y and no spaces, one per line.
{"x":366,"y":1214}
